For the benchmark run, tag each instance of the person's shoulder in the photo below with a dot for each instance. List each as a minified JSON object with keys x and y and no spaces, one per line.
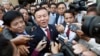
{"x":51,"y":26}
{"x":35,"y":29}
{"x":7,"y":34}
{"x":5,"y":30}
{"x":29,"y":24}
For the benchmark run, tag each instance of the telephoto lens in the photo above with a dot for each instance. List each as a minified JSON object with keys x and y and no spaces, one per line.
{"x":91,"y":26}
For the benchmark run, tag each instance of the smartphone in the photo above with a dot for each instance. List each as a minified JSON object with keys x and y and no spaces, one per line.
{"x":44,"y":38}
{"x":73,"y":27}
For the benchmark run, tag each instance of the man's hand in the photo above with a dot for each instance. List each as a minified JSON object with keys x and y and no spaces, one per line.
{"x":60,"y":28}
{"x":81,"y":34}
{"x":78,"y":48}
{"x":41,"y":45}
{"x":55,"y":47}
{"x":88,"y":53}
{"x":23,"y":50}
{"x":21,"y":39}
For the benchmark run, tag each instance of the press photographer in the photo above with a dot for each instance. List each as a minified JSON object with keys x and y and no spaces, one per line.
{"x":90,"y":33}
{"x":79,"y":8}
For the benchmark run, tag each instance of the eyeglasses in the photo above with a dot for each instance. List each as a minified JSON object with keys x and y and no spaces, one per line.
{"x":61,"y":8}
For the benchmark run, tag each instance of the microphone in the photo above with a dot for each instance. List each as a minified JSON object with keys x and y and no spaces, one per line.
{"x":67,"y":47}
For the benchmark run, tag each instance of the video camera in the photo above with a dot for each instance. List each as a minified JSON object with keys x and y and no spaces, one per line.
{"x":91,"y":26}
{"x":78,"y":5}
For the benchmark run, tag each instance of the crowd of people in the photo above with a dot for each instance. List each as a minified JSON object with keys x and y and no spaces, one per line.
{"x":33,"y":29}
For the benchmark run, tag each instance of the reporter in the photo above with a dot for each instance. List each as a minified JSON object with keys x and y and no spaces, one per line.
{"x":15,"y":29}
{"x":15,"y":26}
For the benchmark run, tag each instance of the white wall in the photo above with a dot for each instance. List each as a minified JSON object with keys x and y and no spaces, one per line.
{"x":94,"y":1}
{"x":14,"y":2}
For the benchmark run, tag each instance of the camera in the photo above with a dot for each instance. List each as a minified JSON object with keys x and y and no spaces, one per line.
{"x":78,"y":5}
{"x":66,"y":48}
{"x":91,"y":26}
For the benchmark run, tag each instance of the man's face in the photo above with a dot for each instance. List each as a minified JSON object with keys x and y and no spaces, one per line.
{"x":61,"y":9}
{"x":25,"y":14}
{"x":42,"y":18}
{"x":17,"y":25}
{"x":69,"y":18}
{"x":53,"y":8}
{"x":6,"y":6}
{"x":32,"y":9}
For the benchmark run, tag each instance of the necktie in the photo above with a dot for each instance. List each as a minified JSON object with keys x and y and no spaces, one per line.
{"x":48,"y":33}
{"x":68,"y":32}
{"x":61,"y":20}
{"x":53,"y":14}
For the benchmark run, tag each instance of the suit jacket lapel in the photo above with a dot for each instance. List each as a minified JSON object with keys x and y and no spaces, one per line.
{"x":41,"y":31}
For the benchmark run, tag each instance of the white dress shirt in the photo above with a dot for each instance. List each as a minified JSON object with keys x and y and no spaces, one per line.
{"x":60,"y":20}
{"x":94,"y":46}
{"x":91,"y":44}
{"x":52,"y":18}
{"x":72,"y":34}
{"x":44,"y":30}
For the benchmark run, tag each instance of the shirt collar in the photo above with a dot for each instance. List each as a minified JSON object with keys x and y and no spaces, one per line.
{"x":44,"y":28}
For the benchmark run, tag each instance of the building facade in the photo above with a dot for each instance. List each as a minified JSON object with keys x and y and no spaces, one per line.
{"x":15,"y":2}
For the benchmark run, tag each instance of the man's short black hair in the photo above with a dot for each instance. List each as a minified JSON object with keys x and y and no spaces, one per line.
{"x":10,"y":16}
{"x":6,"y":48}
{"x":60,"y":3}
{"x":43,"y":3}
{"x":92,"y":9}
{"x":22,"y":8}
{"x":38,"y":9}
{"x":70,"y":11}
{"x":17,"y":6}
{"x":25,"y":4}
{"x":52,"y":4}
{"x":32,"y":5}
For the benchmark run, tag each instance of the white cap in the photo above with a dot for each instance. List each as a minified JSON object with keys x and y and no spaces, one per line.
{"x":90,"y":3}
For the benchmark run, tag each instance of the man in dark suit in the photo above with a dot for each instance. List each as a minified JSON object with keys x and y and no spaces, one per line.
{"x":61,"y":8}
{"x":16,"y":31}
{"x":43,"y":31}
